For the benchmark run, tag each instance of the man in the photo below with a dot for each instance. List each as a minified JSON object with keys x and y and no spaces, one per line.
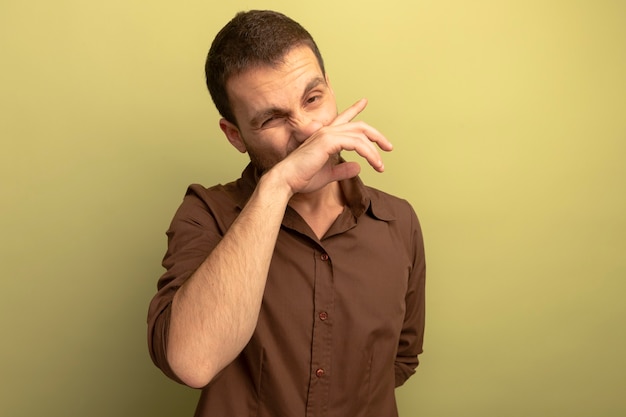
{"x":295,"y":290}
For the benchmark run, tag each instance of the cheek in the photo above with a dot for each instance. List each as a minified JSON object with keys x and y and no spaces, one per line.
{"x":273,"y":141}
{"x":329,"y":114}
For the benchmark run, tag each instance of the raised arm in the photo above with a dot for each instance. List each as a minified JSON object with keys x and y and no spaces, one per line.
{"x":214,"y":313}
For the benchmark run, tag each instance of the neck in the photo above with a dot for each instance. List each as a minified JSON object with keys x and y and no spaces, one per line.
{"x":328,"y":196}
{"x":320,"y":208}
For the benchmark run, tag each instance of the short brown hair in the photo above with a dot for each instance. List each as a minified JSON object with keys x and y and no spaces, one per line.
{"x":251,"y":39}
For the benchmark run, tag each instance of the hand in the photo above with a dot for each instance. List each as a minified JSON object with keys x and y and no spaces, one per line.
{"x":314,"y":164}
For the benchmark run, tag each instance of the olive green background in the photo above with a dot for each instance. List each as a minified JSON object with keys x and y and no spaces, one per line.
{"x":509,"y":125}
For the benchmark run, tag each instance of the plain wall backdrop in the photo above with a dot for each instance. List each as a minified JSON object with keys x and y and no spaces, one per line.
{"x":509,"y":125}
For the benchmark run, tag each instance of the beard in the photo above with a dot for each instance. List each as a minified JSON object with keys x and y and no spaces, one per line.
{"x":263,"y":163}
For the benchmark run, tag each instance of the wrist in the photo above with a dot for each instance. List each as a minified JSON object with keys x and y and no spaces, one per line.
{"x":274,"y":184}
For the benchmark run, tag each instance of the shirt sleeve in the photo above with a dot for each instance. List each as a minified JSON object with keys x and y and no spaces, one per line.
{"x":412,"y":335}
{"x":192,"y":235}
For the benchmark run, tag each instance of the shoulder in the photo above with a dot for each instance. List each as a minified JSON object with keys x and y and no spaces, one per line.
{"x":233,"y":194}
{"x":217,"y":205}
{"x":217,"y":194}
{"x":389,"y":207}
{"x":401,"y":218}
{"x":398,"y":213}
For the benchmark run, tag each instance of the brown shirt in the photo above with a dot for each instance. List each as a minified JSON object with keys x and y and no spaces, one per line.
{"x":342,"y":318}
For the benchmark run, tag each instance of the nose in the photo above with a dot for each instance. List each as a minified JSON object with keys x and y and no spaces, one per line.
{"x":304,"y":127}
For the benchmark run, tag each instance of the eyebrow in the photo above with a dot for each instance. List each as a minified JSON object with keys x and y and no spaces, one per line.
{"x":272,"y":111}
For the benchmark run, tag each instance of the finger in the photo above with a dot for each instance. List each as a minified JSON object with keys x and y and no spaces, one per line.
{"x":373,"y":135}
{"x":350,"y":113}
{"x":364,"y":147}
{"x":364,"y":132}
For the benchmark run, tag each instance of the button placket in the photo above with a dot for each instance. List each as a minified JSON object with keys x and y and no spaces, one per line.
{"x":321,"y":349}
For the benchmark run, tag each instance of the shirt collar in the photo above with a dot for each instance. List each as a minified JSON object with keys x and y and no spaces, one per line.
{"x":359,"y":198}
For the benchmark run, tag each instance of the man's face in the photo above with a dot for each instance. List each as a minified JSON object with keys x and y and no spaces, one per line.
{"x":277,"y":108}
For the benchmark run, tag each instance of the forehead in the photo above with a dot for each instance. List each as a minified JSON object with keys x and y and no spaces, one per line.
{"x":277,"y":85}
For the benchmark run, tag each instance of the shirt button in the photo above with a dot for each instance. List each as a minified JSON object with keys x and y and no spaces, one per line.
{"x":319,"y":373}
{"x":323,"y":315}
{"x":324,"y":256}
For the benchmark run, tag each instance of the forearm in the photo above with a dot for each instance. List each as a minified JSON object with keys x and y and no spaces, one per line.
{"x":215,"y":312}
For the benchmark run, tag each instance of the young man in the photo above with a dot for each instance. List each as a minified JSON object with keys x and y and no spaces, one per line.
{"x":295,"y":290}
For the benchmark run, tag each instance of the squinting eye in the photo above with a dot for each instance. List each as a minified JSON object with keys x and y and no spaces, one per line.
{"x":313,"y":99}
{"x":272,"y":120}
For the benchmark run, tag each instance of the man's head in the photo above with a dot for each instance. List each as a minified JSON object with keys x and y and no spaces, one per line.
{"x":251,"y":39}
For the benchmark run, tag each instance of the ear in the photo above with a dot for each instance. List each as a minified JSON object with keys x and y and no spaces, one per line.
{"x":232,"y":134}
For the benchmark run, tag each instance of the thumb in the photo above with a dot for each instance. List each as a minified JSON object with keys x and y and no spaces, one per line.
{"x":345,"y":170}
